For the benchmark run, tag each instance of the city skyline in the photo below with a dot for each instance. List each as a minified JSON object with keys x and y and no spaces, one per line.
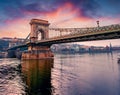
{"x":15,"y":15}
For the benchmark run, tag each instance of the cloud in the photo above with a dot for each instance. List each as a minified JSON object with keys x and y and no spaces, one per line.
{"x":88,"y":8}
{"x":109,"y":8}
{"x":16,"y":8}
{"x":15,"y":28}
{"x":12,"y":9}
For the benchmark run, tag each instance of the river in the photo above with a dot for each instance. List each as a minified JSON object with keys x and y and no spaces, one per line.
{"x":79,"y":74}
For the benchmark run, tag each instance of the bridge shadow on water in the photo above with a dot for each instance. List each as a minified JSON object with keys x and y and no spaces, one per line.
{"x":37,"y":75}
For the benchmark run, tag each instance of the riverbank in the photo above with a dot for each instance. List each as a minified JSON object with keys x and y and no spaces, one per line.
{"x":3,"y":54}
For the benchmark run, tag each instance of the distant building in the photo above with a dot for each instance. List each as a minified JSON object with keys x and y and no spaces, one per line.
{"x":6,"y":42}
{"x":7,"y":39}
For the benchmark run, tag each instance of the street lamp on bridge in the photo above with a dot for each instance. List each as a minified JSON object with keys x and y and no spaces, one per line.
{"x":98,"y":23}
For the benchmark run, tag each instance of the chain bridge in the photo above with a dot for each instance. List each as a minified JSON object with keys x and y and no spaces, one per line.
{"x":42,"y":37}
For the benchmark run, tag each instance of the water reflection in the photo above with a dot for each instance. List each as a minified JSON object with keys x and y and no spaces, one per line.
{"x":118,"y":77}
{"x":96,"y":74}
{"x":38,"y":76}
{"x":86,"y":74}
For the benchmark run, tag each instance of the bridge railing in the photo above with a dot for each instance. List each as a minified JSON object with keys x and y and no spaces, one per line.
{"x":84,"y":31}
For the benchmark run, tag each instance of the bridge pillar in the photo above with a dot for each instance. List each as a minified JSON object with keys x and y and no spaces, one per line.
{"x":11,"y":54}
{"x":38,"y":52}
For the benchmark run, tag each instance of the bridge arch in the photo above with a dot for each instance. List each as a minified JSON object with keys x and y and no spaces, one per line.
{"x":43,"y":34}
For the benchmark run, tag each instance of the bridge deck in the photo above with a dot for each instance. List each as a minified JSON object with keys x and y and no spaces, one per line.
{"x":79,"y":34}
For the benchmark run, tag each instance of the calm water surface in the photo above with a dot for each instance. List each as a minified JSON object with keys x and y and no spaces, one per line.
{"x":80,"y":74}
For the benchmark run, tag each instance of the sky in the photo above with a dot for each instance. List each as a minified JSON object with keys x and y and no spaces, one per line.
{"x":15,"y":15}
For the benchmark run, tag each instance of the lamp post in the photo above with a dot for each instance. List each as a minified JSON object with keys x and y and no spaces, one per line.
{"x":98,"y":23}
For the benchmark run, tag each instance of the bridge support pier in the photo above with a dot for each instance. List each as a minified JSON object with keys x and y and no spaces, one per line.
{"x":11,"y":54}
{"x":37,"y":52}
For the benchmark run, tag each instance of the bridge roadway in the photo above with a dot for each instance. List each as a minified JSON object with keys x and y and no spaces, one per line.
{"x":78,"y":35}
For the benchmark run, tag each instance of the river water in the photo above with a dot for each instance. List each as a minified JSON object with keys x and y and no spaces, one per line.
{"x":79,"y":74}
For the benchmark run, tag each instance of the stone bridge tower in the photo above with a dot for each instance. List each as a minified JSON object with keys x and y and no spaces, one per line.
{"x":38,"y":51}
{"x":38,"y":26}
